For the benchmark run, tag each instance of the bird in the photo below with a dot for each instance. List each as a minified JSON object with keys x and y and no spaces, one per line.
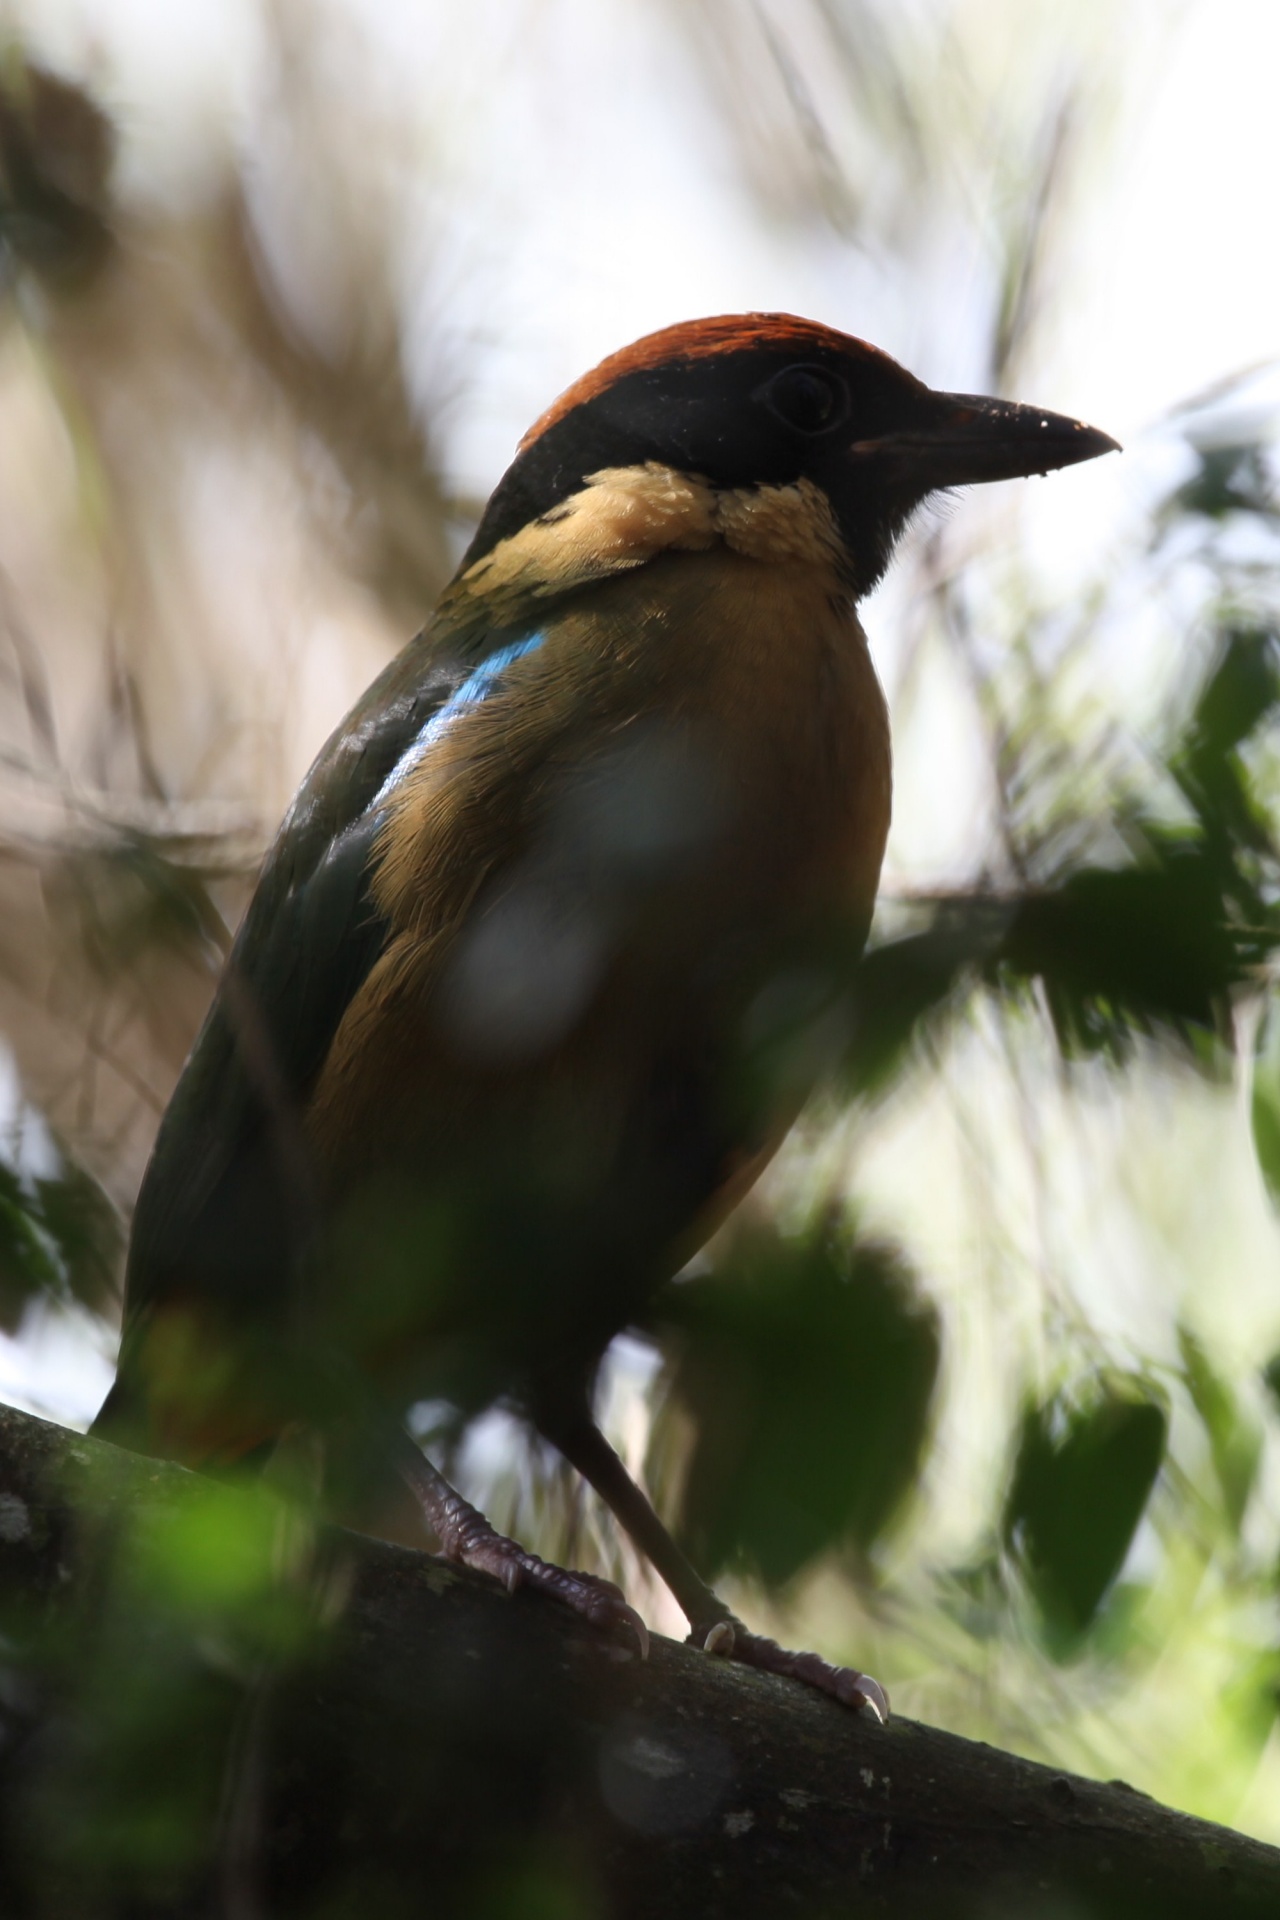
{"x":478,"y":1076}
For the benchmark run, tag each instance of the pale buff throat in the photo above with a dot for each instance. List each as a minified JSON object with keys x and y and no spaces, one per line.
{"x":625,"y":516}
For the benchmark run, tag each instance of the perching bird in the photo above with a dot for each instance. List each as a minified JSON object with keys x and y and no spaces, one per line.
{"x":479,"y":1075}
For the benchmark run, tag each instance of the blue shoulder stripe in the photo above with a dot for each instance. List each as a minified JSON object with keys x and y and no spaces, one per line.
{"x":477,"y":687}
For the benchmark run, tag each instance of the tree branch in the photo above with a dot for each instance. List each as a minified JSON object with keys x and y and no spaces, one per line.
{"x":433,"y":1745}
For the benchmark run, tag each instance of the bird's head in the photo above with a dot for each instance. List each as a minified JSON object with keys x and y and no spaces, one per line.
{"x":747,"y":402}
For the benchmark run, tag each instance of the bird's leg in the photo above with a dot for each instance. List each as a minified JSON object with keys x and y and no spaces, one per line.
{"x":467,"y":1538}
{"x":712,"y":1625}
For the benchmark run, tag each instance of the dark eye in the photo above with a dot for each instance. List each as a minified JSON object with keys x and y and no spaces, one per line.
{"x":807,"y":398}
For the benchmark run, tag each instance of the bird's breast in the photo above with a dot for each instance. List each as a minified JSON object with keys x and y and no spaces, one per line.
{"x":688,"y":767}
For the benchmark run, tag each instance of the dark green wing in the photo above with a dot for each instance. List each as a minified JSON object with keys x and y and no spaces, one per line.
{"x":222,"y":1205}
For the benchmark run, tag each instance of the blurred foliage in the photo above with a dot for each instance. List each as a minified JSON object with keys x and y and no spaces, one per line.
{"x":1228,"y":479}
{"x":147,"y":1685}
{"x":807,"y":1368}
{"x":1265,"y":1110}
{"x":1235,"y":1436}
{"x":1157,"y":947}
{"x":1082,"y":1476}
{"x":132,"y":897}
{"x":60,"y":1241}
{"x":56,"y":152}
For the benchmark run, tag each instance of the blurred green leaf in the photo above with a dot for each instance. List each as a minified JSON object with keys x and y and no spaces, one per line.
{"x":903,"y":983}
{"x":1083,"y":1473}
{"x":1254,"y":1698}
{"x":28,"y":1261}
{"x":1126,"y":951}
{"x":1229,"y":479}
{"x":1235,"y":1441}
{"x":1241,"y":693}
{"x":1118,"y":953}
{"x":1265,"y":1103}
{"x":808,"y":1368}
{"x":85,"y":1227}
{"x":1271,"y":1377}
{"x":976,"y":1594}
{"x":225,"y":1562}
{"x":60,"y":1237}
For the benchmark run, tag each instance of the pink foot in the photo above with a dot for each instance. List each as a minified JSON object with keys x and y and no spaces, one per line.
{"x":467,"y":1539}
{"x":731,"y":1641}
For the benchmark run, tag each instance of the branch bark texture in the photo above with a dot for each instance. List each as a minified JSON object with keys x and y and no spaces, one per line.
{"x":434,"y":1746}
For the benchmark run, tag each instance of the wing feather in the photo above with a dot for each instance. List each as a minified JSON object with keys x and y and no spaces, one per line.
{"x":223,"y":1203}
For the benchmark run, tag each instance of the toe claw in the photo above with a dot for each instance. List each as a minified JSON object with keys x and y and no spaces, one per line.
{"x":467,"y":1539}
{"x":852,"y":1689}
{"x":860,"y":1691}
{"x":631,"y":1621}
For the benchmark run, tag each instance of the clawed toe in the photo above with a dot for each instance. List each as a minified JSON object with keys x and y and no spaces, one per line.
{"x":627,"y":1620}
{"x":469,"y":1540}
{"x":720,"y":1639}
{"x":602,"y":1604}
{"x":859,"y":1690}
{"x":730,"y":1640}
{"x":599,"y":1601}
